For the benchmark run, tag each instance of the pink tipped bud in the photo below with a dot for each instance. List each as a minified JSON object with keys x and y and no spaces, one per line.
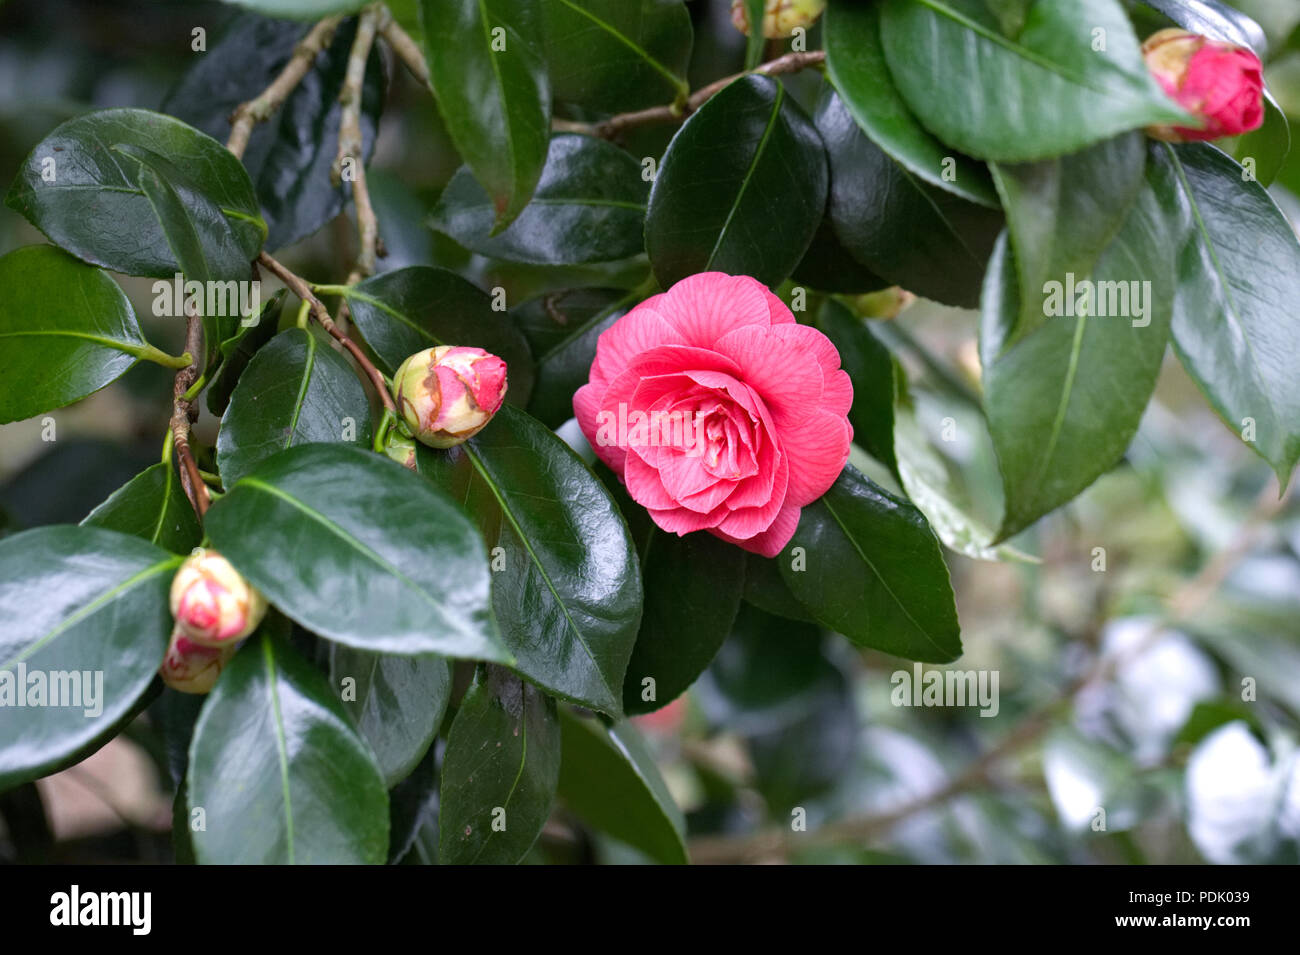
{"x":1220,"y":83}
{"x":446,"y":395}
{"x":780,"y":17}
{"x":191,"y":667}
{"x":213,"y":605}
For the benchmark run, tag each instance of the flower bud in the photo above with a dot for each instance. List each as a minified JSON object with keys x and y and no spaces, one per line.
{"x":191,"y":667}
{"x":1220,"y":83}
{"x":886,"y":304}
{"x":780,"y":17}
{"x":446,"y":395}
{"x":213,"y":605}
{"x":400,"y":448}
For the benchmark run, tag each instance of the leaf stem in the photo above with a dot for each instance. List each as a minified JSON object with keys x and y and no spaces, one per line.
{"x":405,"y":48}
{"x":183,"y":413}
{"x":147,"y":352}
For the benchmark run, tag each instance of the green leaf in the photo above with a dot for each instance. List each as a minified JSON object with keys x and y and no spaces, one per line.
{"x":66,"y":328}
{"x":281,"y":775}
{"x":1268,"y":146}
{"x":1234,"y":325}
{"x":396,"y":702}
{"x":564,"y":329}
{"x":1213,"y":19}
{"x":589,"y":207}
{"x":153,"y":506}
{"x":96,"y":207}
{"x":767,"y":590}
{"x":910,"y":233}
{"x":855,"y":61}
{"x":1061,"y":214}
{"x":407,"y":310}
{"x":499,"y":772}
{"x":693,"y":585}
{"x":871,"y":368}
{"x":754,"y":10}
{"x":300,"y":9}
{"x":289,"y":157}
{"x":829,"y":267}
{"x":488,"y":69}
{"x":871,"y":569}
{"x":83,"y":613}
{"x":565,"y":586}
{"x":1044,"y":92}
{"x":617,"y":55}
{"x":1064,"y":401}
{"x":297,"y":390}
{"x":757,"y":209}
{"x":361,"y":551}
{"x":609,"y":779}
{"x":238,"y":350}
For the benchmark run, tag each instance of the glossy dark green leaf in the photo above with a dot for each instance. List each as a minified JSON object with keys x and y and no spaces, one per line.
{"x":910,"y":233}
{"x":152,"y":505}
{"x":487,"y":63}
{"x":855,"y":61}
{"x":617,"y":55}
{"x":829,"y":267}
{"x":609,"y":779}
{"x":281,"y":775}
{"x":767,"y":590}
{"x":1266,"y":148}
{"x":1061,"y":214}
{"x":238,"y":350}
{"x":1234,"y":324}
{"x":66,"y":330}
{"x":296,"y":390}
{"x":413,"y":812}
{"x":871,"y":569}
{"x":290,"y":156}
{"x":361,"y":551}
{"x":693,"y":586}
{"x":396,"y":702}
{"x":589,"y":207}
{"x":1044,"y":92}
{"x":563,"y":330}
{"x":756,"y":210}
{"x":300,"y":9}
{"x":871,"y":367}
{"x":408,"y":310}
{"x":499,"y":772}
{"x":84,"y":621}
{"x":1064,"y":401}
{"x":1214,"y":19}
{"x":565,"y":586}
{"x":95,"y":206}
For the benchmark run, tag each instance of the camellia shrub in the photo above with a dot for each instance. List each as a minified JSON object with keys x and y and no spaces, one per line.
{"x":436,"y":539}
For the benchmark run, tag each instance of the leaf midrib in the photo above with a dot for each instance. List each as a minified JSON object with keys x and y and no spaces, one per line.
{"x":677,"y":82}
{"x":749,"y":173}
{"x":281,"y":751}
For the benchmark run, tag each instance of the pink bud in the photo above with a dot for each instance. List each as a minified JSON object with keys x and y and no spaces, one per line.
{"x":213,"y":605}
{"x":448,"y":394}
{"x":780,"y":17}
{"x":1220,"y":83}
{"x":191,"y":667}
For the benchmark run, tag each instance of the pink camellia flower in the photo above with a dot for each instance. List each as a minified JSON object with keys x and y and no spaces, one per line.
{"x":718,"y":411}
{"x":191,"y":667}
{"x":1220,"y":83}
{"x":448,"y":394}
{"x":213,"y":605}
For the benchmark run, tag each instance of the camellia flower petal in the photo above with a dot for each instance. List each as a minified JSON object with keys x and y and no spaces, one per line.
{"x":192,"y":667}
{"x":1220,"y":83}
{"x":718,"y":411}
{"x":448,"y":394}
{"x":780,"y":17}
{"x":213,"y":605}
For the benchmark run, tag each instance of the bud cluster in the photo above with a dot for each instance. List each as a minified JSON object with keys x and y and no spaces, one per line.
{"x":214,"y":609}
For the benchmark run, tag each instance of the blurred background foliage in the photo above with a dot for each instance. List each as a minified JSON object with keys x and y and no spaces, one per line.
{"x":1161,"y":685}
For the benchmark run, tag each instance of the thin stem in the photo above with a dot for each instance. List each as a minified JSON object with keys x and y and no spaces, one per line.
{"x":183,"y":413}
{"x":351,"y":148}
{"x":259,"y":109}
{"x":381,"y":433}
{"x":319,"y":312}
{"x":147,"y":352}
{"x":304,"y":312}
{"x":676,"y":112}
{"x":405,"y":48}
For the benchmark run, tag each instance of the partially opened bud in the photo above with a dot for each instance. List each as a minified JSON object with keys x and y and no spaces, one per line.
{"x":213,"y":605}
{"x":1220,"y":83}
{"x":780,"y":17}
{"x":191,"y":667}
{"x":446,"y":395}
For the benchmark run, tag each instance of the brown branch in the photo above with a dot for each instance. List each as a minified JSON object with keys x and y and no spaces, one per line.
{"x":319,"y":312}
{"x":778,"y":841}
{"x":674,"y":112}
{"x":259,"y":109}
{"x":184,"y":413}
{"x":405,"y":48}
{"x":351,"y":145}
